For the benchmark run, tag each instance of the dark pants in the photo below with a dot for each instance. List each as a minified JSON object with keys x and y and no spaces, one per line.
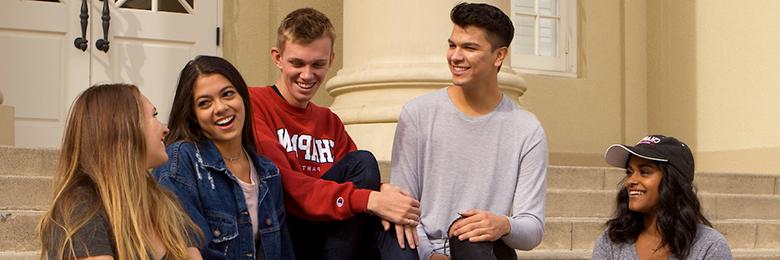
{"x":493,"y":250}
{"x":354,"y":238}
{"x":388,"y":245}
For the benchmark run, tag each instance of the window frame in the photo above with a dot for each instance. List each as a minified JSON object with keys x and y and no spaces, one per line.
{"x":563,"y":65}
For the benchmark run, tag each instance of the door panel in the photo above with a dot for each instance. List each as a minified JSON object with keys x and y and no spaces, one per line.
{"x":42,"y":72}
{"x":39,"y":60}
{"x":149,"y":46}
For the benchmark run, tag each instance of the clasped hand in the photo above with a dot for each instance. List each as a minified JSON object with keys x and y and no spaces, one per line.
{"x":479,"y":226}
{"x":396,"y":205}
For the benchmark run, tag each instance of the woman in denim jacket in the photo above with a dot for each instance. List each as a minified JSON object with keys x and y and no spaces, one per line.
{"x":231,"y":193}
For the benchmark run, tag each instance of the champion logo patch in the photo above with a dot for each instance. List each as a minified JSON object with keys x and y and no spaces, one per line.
{"x":340,"y":202}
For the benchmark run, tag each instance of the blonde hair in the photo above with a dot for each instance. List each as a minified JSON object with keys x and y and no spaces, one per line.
{"x":104,"y":154}
{"x":304,"y":25}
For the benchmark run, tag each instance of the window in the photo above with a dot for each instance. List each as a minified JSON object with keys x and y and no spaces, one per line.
{"x":545,"y":37}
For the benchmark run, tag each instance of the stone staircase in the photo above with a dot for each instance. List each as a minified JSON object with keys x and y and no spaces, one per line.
{"x":25,"y":186}
{"x":745,"y":208}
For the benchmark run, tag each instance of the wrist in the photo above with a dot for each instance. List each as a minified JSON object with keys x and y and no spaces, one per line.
{"x":507,"y":225}
{"x":371,"y":203}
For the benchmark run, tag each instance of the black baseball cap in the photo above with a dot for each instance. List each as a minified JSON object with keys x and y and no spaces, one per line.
{"x":658,"y":148}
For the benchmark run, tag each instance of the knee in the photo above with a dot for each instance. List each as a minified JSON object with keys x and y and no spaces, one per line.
{"x":369,"y":177}
{"x":363,"y":157}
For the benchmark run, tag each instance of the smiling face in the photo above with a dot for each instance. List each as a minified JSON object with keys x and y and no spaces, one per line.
{"x":219,"y":108}
{"x":471,"y":58}
{"x":303,"y":67}
{"x":643,"y":181}
{"x":154,"y":134}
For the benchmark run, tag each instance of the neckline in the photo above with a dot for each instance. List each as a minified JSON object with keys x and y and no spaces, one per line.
{"x":468,"y":118}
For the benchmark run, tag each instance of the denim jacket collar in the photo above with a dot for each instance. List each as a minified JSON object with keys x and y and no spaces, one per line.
{"x":208,"y":154}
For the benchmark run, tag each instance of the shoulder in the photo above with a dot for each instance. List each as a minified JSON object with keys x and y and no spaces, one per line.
{"x":603,"y":239}
{"x":709,"y":244}
{"x":424,"y":107}
{"x":258,"y":96}
{"x":178,"y":151}
{"x":706,"y":235}
{"x":320,"y":110}
{"x":427,"y":100}
{"x":517,"y":113}
{"x":180,"y":162}
{"x":605,"y":248}
{"x":259,"y":90}
{"x":324,"y":114}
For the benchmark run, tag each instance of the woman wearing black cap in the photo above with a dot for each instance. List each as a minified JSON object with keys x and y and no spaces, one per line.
{"x":658,"y":215}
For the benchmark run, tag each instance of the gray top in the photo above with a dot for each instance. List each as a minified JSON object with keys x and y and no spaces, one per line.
{"x":708,"y":244}
{"x":451,"y":163}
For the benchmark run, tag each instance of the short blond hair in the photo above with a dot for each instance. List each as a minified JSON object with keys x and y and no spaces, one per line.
{"x":304,"y":25}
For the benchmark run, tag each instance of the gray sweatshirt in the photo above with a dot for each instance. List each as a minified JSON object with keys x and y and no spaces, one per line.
{"x":451,"y":163}
{"x":708,"y":244}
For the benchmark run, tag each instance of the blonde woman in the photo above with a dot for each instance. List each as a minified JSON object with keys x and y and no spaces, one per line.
{"x":106,"y":204}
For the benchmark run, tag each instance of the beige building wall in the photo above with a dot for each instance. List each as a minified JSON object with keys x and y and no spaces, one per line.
{"x":582,"y":116}
{"x":671,"y":73}
{"x":738,"y":76}
{"x":704,"y":71}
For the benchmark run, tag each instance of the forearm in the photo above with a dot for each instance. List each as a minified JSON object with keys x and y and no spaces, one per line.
{"x":316,"y":199}
{"x":526,"y":232}
{"x":527,"y":220}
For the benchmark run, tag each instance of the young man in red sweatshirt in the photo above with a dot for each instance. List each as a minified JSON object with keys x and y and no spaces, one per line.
{"x":331,"y":188}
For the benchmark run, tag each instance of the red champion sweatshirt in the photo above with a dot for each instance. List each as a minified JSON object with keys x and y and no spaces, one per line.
{"x":304,"y":144}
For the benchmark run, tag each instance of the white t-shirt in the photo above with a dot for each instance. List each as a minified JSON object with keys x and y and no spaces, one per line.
{"x":251,"y":191}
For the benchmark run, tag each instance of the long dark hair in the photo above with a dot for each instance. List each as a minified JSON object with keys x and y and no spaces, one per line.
{"x":183,"y":123}
{"x":677,"y":214}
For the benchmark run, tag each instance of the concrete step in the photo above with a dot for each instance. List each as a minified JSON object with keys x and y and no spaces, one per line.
{"x":33,"y":193}
{"x":581,"y":203}
{"x":581,"y":233}
{"x":602,"y":178}
{"x":13,"y":255}
{"x":27,"y":161}
{"x":25,"y":192}
{"x":18,"y":161}
{"x":17,"y":230}
{"x":738,"y":254}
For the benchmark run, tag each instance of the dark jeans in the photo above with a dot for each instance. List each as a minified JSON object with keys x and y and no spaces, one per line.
{"x":493,"y":250}
{"x":388,"y":245}
{"x":354,"y":238}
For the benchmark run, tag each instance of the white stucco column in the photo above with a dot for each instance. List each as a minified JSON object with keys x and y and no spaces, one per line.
{"x":6,"y":123}
{"x":395,"y":50}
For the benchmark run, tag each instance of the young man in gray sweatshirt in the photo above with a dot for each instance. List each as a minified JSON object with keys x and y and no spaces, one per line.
{"x":475,"y":160}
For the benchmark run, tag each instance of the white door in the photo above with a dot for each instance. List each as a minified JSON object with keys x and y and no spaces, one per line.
{"x":38,"y":61}
{"x":149,"y":42}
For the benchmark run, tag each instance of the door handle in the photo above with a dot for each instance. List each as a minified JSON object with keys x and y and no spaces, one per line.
{"x":103,"y":44}
{"x":81,"y":42}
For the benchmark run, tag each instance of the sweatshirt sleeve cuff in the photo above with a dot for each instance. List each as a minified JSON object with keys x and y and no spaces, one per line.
{"x":359,"y":200}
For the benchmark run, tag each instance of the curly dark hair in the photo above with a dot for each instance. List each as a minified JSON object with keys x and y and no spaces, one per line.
{"x":498,"y":26}
{"x":677,"y":214}
{"x":183,"y":123}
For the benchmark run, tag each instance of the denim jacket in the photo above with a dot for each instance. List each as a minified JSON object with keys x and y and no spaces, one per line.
{"x":211,"y":195}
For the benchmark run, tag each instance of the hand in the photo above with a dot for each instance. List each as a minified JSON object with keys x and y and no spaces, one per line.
{"x":437,"y":256}
{"x":479,"y":226}
{"x":394,"y":204}
{"x":408,"y":231}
